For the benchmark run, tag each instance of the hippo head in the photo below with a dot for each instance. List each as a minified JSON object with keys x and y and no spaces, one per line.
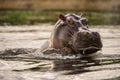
{"x":75,"y":32}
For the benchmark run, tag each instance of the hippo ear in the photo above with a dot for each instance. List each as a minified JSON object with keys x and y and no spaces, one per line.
{"x":81,"y":15}
{"x":62,"y":17}
{"x":84,"y":21}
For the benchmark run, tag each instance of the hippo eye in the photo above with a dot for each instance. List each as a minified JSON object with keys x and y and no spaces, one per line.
{"x":84,"y":21}
{"x":70,"y":20}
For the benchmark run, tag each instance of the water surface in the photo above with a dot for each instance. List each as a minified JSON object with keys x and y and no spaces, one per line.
{"x":33,"y":66}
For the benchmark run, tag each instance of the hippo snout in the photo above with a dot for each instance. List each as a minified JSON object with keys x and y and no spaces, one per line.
{"x":86,"y":42}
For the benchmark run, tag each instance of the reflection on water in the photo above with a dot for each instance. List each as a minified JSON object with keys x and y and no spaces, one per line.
{"x":82,"y":66}
{"x":71,"y":66}
{"x":65,"y":67}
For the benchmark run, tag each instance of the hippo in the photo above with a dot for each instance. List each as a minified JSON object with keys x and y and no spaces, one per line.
{"x":71,"y":35}
{"x":71,"y":32}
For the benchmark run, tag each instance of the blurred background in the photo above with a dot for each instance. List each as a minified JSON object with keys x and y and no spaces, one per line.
{"x":33,"y":12}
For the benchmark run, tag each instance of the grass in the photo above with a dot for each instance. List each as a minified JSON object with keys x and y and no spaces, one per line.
{"x":51,"y":16}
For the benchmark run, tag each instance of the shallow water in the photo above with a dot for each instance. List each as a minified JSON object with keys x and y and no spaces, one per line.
{"x":104,"y":65}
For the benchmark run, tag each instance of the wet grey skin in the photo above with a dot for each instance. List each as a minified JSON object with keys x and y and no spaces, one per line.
{"x":72,"y":31}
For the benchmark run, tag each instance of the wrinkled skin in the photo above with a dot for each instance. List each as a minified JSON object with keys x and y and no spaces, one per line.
{"x":72,"y":31}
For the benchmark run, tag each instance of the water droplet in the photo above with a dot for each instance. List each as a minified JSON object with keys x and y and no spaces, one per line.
{"x":83,"y":51}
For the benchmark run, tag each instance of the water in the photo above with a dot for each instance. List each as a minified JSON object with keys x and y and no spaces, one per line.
{"x":105,"y":65}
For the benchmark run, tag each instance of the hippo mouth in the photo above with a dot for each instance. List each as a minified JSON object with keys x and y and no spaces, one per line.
{"x":88,"y":50}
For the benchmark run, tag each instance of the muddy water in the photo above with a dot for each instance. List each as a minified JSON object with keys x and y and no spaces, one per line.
{"x":104,"y":65}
